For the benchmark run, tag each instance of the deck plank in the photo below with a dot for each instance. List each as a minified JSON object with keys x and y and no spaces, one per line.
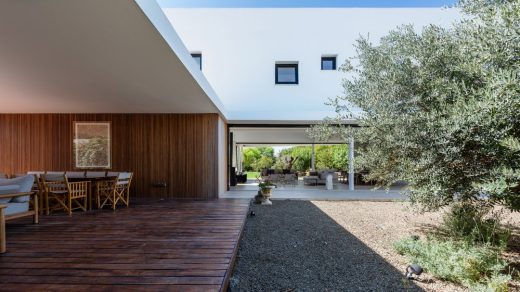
{"x":151,"y":246}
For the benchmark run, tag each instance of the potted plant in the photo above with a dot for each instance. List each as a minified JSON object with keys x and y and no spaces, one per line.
{"x":266,"y":190}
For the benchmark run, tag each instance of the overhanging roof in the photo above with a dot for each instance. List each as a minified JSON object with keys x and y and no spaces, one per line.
{"x":96,"y":56}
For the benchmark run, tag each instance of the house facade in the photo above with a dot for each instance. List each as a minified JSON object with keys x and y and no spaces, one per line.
{"x":181,"y":88}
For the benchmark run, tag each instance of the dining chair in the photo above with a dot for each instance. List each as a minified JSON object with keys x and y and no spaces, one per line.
{"x":123,"y":187}
{"x":106,"y":193}
{"x":64,"y":195}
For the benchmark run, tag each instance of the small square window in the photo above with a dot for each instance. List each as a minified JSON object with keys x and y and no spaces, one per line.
{"x":328,"y":63}
{"x":286,"y":73}
{"x":198,"y":59}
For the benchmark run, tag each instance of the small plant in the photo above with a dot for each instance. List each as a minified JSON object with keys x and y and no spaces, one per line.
{"x":475,"y":223}
{"x":478,"y":267}
{"x":266,"y":185}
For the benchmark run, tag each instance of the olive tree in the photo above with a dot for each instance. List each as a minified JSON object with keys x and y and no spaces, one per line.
{"x":440,"y":107}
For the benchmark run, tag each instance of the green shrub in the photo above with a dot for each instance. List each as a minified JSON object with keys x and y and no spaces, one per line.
{"x":496,"y":283}
{"x":477,"y":267}
{"x":475,"y":223}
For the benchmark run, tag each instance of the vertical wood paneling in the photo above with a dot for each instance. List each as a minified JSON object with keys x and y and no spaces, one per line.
{"x":179,"y":149}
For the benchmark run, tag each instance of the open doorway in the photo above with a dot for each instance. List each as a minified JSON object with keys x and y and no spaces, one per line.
{"x":291,"y":166}
{"x":299,"y":167}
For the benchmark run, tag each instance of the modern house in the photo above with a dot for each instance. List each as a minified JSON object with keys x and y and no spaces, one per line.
{"x":183,"y":88}
{"x":165,"y":97}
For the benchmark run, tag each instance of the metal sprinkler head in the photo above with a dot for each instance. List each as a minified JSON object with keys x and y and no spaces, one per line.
{"x":413,"y":270}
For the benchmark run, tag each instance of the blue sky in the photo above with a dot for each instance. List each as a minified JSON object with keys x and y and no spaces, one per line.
{"x":305,"y":3}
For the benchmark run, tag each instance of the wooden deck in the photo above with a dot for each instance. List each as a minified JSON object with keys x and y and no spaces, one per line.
{"x":151,"y":246}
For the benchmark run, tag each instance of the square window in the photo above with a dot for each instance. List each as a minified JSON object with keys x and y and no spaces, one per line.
{"x":198,"y":59}
{"x":286,"y":73}
{"x":328,"y":63}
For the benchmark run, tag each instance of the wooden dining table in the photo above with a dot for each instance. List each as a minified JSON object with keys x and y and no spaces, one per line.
{"x":92,"y":183}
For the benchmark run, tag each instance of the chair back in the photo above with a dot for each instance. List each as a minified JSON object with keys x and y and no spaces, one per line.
{"x":54,"y":182}
{"x":53,"y":176}
{"x":124,"y":178}
{"x":75,"y":174}
{"x":91,"y":174}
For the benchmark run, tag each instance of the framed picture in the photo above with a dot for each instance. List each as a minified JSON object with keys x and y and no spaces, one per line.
{"x":92,"y":145}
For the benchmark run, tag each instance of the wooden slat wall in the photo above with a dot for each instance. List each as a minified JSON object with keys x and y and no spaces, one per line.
{"x":179,"y":149}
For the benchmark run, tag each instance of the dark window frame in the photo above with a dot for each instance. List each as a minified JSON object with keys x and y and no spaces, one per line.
{"x":198,"y":55}
{"x":295,"y":66}
{"x":330,"y":58}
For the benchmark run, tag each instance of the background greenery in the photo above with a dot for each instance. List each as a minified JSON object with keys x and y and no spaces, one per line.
{"x":327,"y":157}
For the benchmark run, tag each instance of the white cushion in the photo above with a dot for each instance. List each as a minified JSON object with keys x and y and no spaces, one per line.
{"x":124,"y":175}
{"x":14,"y":208}
{"x":5,"y":190}
{"x":24,"y":183}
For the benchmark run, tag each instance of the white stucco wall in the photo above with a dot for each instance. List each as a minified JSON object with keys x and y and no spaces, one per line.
{"x":240,"y":47}
{"x":222,"y":157}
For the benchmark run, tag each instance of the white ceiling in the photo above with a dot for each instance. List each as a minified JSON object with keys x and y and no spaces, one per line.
{"x":274,"y":135}
{"x":94,"y":56}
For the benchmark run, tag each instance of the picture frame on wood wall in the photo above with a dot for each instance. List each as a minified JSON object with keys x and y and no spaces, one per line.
{"x":92,"y":145}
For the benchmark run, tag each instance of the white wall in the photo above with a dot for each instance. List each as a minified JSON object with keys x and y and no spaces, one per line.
{"x":222,"y":157}
{"x":241,"y":45}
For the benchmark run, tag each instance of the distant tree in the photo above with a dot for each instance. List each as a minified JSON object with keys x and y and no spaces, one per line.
{"x":440,"y":108}
{"x":267,"y":152}
{"x":324,"y":157}
{"x":340,"y":157}
{"x":304,"y":154}
{"x":256,"y":158}
{"x":250,"y":156}
{"x":263,"y":162}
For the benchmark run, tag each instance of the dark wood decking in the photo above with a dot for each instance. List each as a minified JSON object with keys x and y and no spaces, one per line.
{"x":151,"y":246}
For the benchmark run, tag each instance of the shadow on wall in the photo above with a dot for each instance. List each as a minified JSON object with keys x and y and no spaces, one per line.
{"x":293,"y":245}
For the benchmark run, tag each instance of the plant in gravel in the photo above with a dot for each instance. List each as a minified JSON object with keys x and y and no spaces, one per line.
{"x":478,"y":267}
{"x":476,"y":223}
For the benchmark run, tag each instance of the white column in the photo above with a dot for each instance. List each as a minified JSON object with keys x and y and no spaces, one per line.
{"x":239,"y":158}
{"x":313,"y":159}
{"x":351,"y":165}
{"x":234,"y":155}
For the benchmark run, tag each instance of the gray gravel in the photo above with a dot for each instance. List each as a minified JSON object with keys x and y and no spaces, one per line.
{"x":294,"y":246}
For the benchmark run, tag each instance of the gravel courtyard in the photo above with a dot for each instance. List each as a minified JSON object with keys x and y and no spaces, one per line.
{"x":330,"y":246}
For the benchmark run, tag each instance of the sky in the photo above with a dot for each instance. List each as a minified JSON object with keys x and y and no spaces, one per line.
{"x":303,"y":3}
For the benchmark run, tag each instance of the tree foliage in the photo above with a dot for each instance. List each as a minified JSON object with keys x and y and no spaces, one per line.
{"x":440,"y":108}
{"x":256,"y":158}
{"x":327,"y":157}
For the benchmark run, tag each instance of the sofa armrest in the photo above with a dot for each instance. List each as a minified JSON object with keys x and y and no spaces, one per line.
{"x":14,"y":195}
